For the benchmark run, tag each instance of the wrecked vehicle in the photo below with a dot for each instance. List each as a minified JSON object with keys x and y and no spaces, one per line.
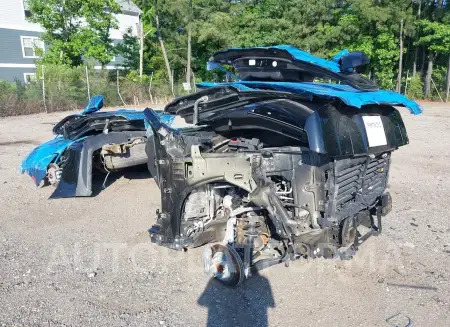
{"x":106,"y":141}
{"x":280,"y":166}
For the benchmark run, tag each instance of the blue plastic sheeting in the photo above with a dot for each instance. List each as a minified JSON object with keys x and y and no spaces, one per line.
{"x":164,"y":117}
{"x":346,"y":93}
{"x":153,"y":119}
{"x":307,"y":57}
{"x":36,"y":163}
{"x":339,"y":55}
{"x":95,"y":104}
{"x":304,"y":56}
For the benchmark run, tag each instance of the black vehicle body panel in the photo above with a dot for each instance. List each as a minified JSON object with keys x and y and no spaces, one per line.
{"x":291,"y":69}
{"x":74,"y":127}
{"x":331,"y":141}
{"x":76,"y":177}
{"x":327,"y":127}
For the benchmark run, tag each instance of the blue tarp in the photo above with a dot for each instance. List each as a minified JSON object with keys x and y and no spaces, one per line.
{"x":346,"y":93}
{"x":349,"y":95}
{"x":95,"y":104}
{"x":307,"y":57}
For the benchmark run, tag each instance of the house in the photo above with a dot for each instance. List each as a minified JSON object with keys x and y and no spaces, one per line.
{"x":19,"y":38}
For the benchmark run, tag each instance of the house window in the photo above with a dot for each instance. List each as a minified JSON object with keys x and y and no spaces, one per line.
{"x":29,"y":46}
{"x":113,"y":57}
{"x":26,"y":10}
{"x":29,"y":77}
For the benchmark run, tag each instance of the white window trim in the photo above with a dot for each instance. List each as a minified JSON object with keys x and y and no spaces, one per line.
{"x":28,"y":74}
{"x":23,"y":9}
{"x":23,"y":48}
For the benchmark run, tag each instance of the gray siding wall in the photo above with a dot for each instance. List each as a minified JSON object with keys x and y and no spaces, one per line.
{"x":11,"y":74}
{"x":11,"y":53}
{"x":11,"y":46}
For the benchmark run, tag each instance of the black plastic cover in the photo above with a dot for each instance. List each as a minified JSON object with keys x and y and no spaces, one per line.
{"x":341,"y":132}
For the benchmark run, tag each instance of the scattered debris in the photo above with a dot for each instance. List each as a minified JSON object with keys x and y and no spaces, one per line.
{"x":399,"y":320}
{"x":414,"y":224}
{"x":92,"y":274}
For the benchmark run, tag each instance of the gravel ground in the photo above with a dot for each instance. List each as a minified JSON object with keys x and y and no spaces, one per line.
{"x":87,"y":261}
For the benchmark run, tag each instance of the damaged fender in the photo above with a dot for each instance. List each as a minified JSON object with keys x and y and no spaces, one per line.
{"x":76,"y":177}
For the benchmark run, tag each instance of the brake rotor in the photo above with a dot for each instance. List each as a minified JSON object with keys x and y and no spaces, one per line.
{"x":224,"y":264}
{"x":53,"y":174}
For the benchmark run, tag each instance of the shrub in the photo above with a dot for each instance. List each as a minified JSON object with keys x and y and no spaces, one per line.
{"x":66,"y":88}
{"x":415,"y":88}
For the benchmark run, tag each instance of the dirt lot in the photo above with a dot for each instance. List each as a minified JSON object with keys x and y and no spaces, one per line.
{"x":87,"y":261}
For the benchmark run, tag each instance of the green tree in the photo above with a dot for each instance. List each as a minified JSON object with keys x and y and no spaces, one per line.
{"x":385,"y":30}
{"x":75,"y":29}
{"x":128,"y":49}
{"x":436,"y":37}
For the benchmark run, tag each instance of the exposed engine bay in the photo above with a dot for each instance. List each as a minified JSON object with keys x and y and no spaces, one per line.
{"x":266,"y":204}
{"x":270,"y":175}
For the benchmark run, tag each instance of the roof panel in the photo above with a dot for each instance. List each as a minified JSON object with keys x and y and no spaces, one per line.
{"x":128,"y":6}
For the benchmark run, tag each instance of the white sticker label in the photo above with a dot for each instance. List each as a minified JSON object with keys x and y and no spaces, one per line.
{"x":252,"y":62}
{"x":375,"y":130}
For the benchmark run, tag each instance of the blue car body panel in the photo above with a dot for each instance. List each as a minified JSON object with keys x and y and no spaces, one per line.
{"x":346,"y":93}
{"x":37,"y":162}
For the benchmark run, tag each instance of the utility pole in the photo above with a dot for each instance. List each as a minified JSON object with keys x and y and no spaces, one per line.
{"x":87,"y":83}
{"x":189,"y":49}
{"x":400,"y":62}
{"x":416,"y":52}
{"x":43,"y":90}
{"x":447,"y":91}
{"x":141,"y":46}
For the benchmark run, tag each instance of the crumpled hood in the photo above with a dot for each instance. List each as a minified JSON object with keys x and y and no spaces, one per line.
{"x":37,"y":161}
